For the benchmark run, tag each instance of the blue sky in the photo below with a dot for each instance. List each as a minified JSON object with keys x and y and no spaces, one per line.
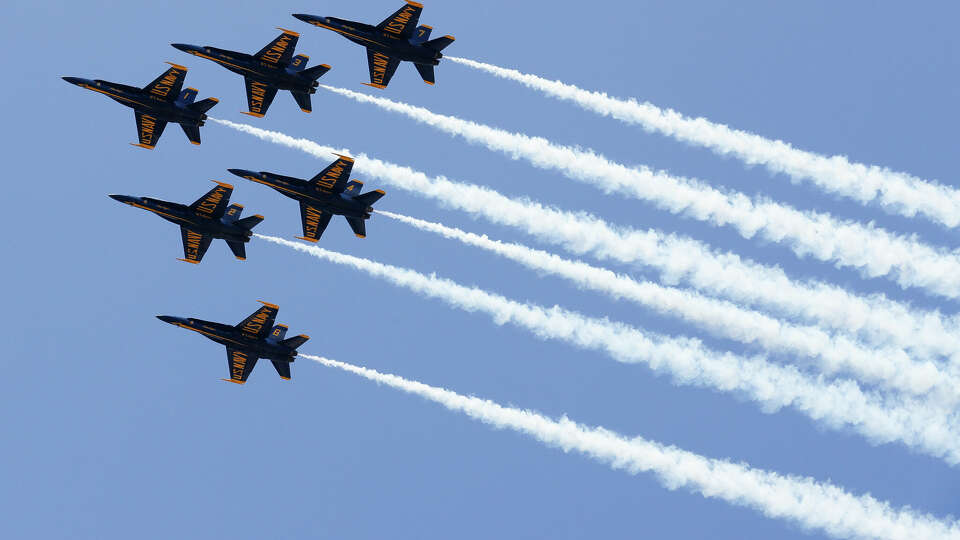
{"x":116,"y":425}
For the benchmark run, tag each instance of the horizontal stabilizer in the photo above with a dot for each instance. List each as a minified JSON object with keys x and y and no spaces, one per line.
{"x":426,"y":72}
{"x":250,"y":222}
{"x":296,"y":341}
{"x":316,"y":72}
{"x":370,"y":197}
{"x":303,"y":101}
{"x":283,"y":369}
{"x":359,"y":226}
{"x":440,"y":43}
{"x":205,"y":105}
{"x":239,"y":250}
{"x":192,"y":132}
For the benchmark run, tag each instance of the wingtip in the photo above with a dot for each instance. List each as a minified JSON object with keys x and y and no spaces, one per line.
{"x":253,"y":114}
{"x":224,"y":184}
{"x":305,"y":110}
{"x":285,"y":378}
{"x":361,"y":236}
{"x":141,"y":145}
{"x":178,"y":66}
{"x":269,"y":305}
{"x":197,"y":143}
{"x":312,"y":240}
{"x":348,"y":158}
{"x":189,"y":261}
{"x":374,"y":85}
{"x":291,"y":32}
{"x":234,"y":381}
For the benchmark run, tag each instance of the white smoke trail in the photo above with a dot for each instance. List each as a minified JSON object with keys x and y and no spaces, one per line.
{"x":802,"y":500}
{"x":835,"y":403}
{"x":871,"y":250}
{"x":896,"y":192}
{"x":890,"y":367}
{"x":677,"y":259}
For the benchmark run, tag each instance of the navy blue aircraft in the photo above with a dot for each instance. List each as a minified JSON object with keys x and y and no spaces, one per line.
{"x":395,"y":39}
{"x":254,"y":338}
{"x":202,"y":221}
{"x":273,"y":68}
{"x":327,"y":194}
{"x":156,"y":104}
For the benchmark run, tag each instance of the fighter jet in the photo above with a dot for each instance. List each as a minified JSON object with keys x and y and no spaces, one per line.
{"x":396,"y":38}
{"x":254,"y":338}
{"x":273,"y":68}
{"x":156,"y":104}
{"x":208,"y":218}
{"x":327,"y":194}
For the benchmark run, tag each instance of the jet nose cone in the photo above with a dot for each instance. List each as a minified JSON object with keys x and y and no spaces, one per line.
{"x":125,"y":199}
{"x":310,"y":18}
{"x":75,"y":80}
{"x":243,"y":173}
{"x":170,"y":319}
{"x":192,"y":49}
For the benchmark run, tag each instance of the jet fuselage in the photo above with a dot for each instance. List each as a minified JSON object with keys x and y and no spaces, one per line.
{"x":341,"y":204}
{"x":183,"y":215}
{"x":378,"y":40}
{"x":234,"y":338}
{"x":154,"y":102}
{"x":277,"y":75}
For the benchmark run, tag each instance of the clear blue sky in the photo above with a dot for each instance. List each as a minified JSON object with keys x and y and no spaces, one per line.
{"x":115,"y":425}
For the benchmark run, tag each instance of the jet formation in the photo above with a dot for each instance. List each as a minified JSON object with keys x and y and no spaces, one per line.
{"x":156,"y":104}
{"x":396,"y":39}
{"x":254,"y":338}
{"x":328,"y":193}
{"x":273,"y":68}
{"x":331,"y":192}
{"x":208,"y":218}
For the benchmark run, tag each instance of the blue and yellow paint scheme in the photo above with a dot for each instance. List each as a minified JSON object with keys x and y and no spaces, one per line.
{"x":264,"y":73}
{"x":396,"y":39}
{"x":156,"y":104}
{"x":253,"y":338}
{"x":211,"y":216}
{"x":331,"y":192}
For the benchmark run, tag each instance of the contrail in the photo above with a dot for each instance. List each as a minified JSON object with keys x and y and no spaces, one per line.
{"x":802,"y":500}
{"x":890,"y":367}
{"x":895,"y":192}
{"x":836,"y":403}
{"x":677,"y":259}
{"x":873,"y":251}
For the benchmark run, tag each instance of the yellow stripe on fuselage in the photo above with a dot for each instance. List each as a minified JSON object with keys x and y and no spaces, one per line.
{"x":218,"y":336}
{"x":88,"y":87}
{"x":156,"y":211}
{"x":344,"y":32}
{"x":275,"y":186}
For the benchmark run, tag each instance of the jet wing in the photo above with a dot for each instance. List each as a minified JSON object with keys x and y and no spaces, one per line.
{"x":259,"y":97}
{"x":214,"y":204}
{"x":334,"y":177}
{"x":240,"y":364}
{"x":280,"y":50}
{"x":167,"y":86}
{"x":259,"y":323}
{"x":149,"y":129}
{"x":381,"y":67}
{"x":403,"y":21}
{"x":314,"y":220}
{"x":194,"y":245}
